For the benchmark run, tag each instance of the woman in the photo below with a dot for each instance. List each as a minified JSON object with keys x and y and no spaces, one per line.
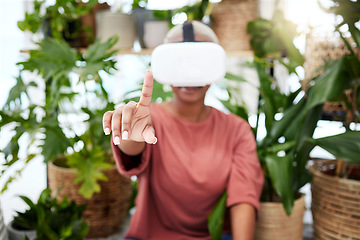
{"x":185,"y":155}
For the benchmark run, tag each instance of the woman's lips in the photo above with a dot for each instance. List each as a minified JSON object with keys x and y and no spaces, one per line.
{"x":189,"y":89}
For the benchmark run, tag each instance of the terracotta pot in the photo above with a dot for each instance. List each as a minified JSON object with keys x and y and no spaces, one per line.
{"x":106,"y":210}
{"x":273,"y":223}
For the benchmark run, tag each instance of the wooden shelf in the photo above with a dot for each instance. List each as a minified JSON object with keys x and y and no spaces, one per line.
{"x":148,"y":51}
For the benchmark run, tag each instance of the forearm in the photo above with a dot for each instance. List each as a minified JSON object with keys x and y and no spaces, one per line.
{"x":242,"y":221}
{"x":131,"y":148}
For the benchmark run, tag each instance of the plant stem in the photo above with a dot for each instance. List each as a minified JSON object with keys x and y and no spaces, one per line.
{"x":339,"y":164}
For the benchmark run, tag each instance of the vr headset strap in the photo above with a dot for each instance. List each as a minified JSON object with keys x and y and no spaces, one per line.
{"x":188,"y":32}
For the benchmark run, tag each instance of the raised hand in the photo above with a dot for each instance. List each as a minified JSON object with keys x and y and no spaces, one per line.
{"x":132,"y":121}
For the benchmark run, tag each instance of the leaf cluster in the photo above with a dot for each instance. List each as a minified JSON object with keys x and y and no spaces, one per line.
{"x":197,"y":11}
{"x":285,"y":149}
{"x":67,"y":75}
{"x":274,"y":38}
{"x":290,"y":120}
{"x":56,"y":18}
{"x":52,"y":219}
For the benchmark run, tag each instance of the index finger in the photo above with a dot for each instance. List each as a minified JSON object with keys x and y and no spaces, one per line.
{"x":146,"y":93}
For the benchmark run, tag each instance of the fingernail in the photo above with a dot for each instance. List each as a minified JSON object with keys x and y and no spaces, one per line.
{"x":116,"y":140}
{"x":125,"y":135}
{"x":107,"y":131}
{"x":155,"y":141}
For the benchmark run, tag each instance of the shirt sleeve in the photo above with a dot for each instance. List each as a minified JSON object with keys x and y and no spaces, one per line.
{"x":131,"y":165}
{"x":246,"y":177}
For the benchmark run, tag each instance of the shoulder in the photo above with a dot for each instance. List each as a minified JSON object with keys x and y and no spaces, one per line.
{"x":229,"y":118}
{"x":232,"y":125}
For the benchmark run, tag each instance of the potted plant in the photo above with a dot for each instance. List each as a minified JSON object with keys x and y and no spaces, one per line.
{"x":72,"y":87}
{"x":196,"y":11}
{"x":49,"y":219}
{"x":290,"y":121}
{"x":61,"y":20}
{"x":151,"y":25}
{"x":229,"y":19}
{"x":335,"y":185}
{"x":118,"y":23}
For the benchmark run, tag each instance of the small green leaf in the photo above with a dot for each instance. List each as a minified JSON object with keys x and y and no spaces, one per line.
{"x":216,"y":218}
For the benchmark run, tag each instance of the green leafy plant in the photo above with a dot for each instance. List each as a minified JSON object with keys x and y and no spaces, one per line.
{"x":52,"y":219}
{"x":274,"y":38}
{"x":58,"y":18}
{"x":139,"y":4}
{"x":196,"y":11}
{"x":72,"y":85}
{"x":290,"y":120}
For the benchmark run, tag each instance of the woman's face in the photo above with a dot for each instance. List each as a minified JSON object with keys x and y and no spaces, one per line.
{"x":190,"y":94}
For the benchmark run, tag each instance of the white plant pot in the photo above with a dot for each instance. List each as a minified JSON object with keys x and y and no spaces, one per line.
{"x":15,"y":234}
{"x":155,"y":32}
{"x":109,"y":24}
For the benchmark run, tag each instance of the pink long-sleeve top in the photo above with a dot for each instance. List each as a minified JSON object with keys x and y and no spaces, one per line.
{"x":182,"y":176}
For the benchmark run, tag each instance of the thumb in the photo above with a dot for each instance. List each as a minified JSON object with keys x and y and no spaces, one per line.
{"x":149,"y":135}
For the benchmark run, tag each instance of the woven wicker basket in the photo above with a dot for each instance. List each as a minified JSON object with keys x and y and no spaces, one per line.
{"x":273,"y":222}
{"x":106,"y":211}
{"x":229,"y":20}
{"x":335,"y":204}
{"x":321,"y":47}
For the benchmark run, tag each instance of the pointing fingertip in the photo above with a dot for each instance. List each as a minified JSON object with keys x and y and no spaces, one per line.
{"x":107,"y":131}
{"x":125,"y":135}
{"x":116,"y":140}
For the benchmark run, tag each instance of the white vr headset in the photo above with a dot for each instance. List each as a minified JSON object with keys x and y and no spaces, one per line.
{"x":188,"y":63}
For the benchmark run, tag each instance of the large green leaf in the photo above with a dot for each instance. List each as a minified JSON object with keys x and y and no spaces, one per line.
{"x":96,"y":58}
{"x":55,"y":142}
{"x":17,"y":91}
{"x":216,"y":218}
{"x":331,"y":84}
{"x":279,"y":169}
{"x":89,"y":166}
{"x":240,"y":111}
{"x":234,"y":77}
{"x":53,"y":58}
{"x":267,"y":94}
{"x":344,"y":146}
{"x":280,"y":127}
